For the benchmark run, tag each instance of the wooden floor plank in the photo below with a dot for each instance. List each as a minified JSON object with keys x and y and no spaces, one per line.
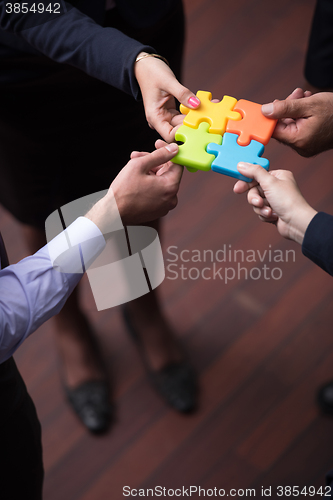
{"x":260,"y":347}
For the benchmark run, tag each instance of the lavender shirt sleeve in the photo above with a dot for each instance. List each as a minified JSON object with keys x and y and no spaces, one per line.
{"x":33,"y":290}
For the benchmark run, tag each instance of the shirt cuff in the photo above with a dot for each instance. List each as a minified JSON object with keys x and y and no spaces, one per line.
{"x":74,"y":250}
{"x":318,"y":241}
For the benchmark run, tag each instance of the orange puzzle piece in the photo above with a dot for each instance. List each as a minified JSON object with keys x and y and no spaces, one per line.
{"x":215,"y":113}
{"x":253,"y":125}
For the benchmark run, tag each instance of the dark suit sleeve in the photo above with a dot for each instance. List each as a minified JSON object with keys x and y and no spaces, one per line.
{"x":73,"y":38}
{"x":318,"y":241}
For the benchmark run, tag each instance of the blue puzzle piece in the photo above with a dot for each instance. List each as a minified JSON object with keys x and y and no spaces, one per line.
{"x":230,"y":153}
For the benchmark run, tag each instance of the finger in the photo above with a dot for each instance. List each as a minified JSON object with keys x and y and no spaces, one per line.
{"x":255,"y":172}
{"x":173,"y":173}
{"x":161,"y":169}
{"x":157,"y":157}
{"x":177,"y":120}
{"x":257,"y":211}
{"x":266,"y":215}
{"x":284,"y":132}
{"x":138,"y":154}
{"x":289,"y":108}
{"x":242,"y":187}
{"x":298,"y":93}
{"x":160,"y":144}
{"x":271,"y":220}
{"x":183,"y":94}
{"x":166,"y":130}
{"x":266,"y":212}
{"x":287,"y":121}
{"x":254,"y":198}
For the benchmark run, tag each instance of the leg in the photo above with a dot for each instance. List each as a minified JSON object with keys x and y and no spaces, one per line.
{"x":78,"y":349}
{"x":319,"y":57}
{"x":157,"y":339}
{"x":169,"y":371}
{"x":20,"y":436}
{"x":82,"y":368}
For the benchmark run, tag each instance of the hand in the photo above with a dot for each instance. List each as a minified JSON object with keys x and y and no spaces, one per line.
{"x":276,"y":198}
{"x":159,"y":88}
{"x":305,"y":121}
{"x":147,"y":187}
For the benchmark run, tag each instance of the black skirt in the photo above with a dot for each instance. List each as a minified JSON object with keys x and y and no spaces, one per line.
{"x":68,"y":135}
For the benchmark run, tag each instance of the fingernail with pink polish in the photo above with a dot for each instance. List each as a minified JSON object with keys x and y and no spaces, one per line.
{"x":194,"y":101}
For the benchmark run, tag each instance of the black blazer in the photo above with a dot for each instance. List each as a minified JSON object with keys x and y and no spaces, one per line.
{"x":318,"y":241}
{"x":76,"y":36}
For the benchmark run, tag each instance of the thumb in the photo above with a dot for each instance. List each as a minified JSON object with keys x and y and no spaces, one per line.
{"x":183,"y":94}
{"x":157,"y":158}
{"x":173,"y":173}
{"x":289,"y":108}
{"x":256,"y":172}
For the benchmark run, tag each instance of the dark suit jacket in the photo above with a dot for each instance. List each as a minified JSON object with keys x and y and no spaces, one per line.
{"x":318,"y":241}
{"x":76,"y":37}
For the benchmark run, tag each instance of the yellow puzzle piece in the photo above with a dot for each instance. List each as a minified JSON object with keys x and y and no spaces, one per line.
{"x":215,"y":113}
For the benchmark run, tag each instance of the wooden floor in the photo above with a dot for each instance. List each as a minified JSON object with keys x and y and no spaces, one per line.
{"x":261,"y":346}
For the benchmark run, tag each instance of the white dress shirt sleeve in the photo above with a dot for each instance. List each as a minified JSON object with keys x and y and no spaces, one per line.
{"x":37,"y":287}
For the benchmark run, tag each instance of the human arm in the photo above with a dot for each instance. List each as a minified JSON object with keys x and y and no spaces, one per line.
{"x":37,"y":287}
{"x":159,"y":88}
{"x":276,"y":198}
{"x":74,"y":38}
{"x":318,"y":241}
{"x":107,"y":54}
{"x":34,"y":289}
{"x":144,"y":190}
{"x":305,"y":121}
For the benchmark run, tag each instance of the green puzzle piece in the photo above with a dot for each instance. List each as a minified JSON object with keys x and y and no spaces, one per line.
{"x":192,"y":154}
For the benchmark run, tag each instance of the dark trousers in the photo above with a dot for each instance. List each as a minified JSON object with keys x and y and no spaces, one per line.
{"x":319,"y":58}
{"x":21,"y":465}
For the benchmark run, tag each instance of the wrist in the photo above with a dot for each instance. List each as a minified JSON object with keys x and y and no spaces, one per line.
{"x":105,"y":215}
{"x":146,"y":60}
{"x":300,"y":222}
{"x":144,"y":55}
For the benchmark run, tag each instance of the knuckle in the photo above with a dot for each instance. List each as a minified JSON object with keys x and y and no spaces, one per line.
{"x":164,"y":212}
{"x":171,"y":190}
{"x":135,"y":162}
{"x":173,"y":202}
{"x":285,"y":106}
{"x":182,"y":94}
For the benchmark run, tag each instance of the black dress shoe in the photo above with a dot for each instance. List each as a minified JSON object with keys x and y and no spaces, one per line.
{"x":176,"y":382}
{"x":325,"y":398}
{"x":91,"y":403}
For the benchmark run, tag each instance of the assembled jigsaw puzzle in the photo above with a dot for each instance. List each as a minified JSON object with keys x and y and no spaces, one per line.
{"x":217,"y":136}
